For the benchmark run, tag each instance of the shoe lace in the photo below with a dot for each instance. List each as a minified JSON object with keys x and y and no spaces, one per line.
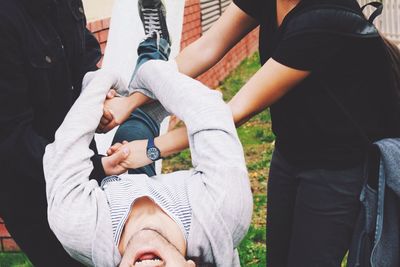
{"x":151,"y":20}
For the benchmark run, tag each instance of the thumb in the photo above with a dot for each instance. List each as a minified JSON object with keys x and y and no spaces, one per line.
{"x":119,"y":156}
{"x":111,"y":94}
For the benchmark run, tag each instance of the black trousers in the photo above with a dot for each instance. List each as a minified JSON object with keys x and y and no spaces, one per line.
{"x":311,"y":214}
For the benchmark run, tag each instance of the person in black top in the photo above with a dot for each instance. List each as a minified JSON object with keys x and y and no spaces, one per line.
{"x":45,"y":51}
{"x":316,"y":172}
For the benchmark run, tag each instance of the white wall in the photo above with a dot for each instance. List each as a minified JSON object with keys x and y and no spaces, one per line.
{"x":98,"y":9}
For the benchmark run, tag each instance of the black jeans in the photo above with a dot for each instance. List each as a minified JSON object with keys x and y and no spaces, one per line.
{"x":311,"y":214}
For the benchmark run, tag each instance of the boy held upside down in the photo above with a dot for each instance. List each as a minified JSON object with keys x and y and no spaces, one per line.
{"x":177,"y":219}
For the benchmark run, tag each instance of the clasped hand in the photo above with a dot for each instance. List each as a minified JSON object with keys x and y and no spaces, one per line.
{"x":116,"y":110}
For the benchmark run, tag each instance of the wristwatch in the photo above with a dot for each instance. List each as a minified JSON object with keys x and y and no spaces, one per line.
{"x":153,"y":152}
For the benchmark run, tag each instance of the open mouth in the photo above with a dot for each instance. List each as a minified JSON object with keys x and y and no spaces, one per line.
{"x":148,"y":258}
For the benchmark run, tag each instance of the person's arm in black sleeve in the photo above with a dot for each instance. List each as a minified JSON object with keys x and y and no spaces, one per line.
{"x":253,"y":8}
{"x":21,"y":148}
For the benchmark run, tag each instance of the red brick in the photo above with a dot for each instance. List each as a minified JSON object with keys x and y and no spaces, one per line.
{"x":186,"y":12}
{"x":103,"y":36}
{"x":3,"y":231}
{"x":106,"y":23}
{"x":96,"y":26}
{"x":9,"y":245}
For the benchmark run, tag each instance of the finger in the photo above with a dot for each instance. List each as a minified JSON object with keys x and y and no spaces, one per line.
{"x":115,"y":147}
{"x":118,"y":157}
{"x":100,"y":128}
{"x":104,"y":121}
{"x":107,"y":114}
{"x":110,"y":126}
{"x":120,"y":170}
{"x":125,"y":142}
{"x":110,"y":151}
{"x":111,"y":94}
{"x":111,"y":166}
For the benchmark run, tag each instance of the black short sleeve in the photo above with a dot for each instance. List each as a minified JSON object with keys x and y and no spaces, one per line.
{"x":309,"y":51}
{"x":252,"y":7}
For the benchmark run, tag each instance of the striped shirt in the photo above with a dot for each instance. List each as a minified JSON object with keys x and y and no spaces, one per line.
{"x":122,"y":191}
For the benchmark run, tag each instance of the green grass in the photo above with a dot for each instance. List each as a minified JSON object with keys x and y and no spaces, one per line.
{"x":14,"y":260}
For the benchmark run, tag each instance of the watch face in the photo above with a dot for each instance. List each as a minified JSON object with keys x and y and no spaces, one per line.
{"x":153,"y":153}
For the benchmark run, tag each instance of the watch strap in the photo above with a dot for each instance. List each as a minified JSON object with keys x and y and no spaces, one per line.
{"x":151,"y":145}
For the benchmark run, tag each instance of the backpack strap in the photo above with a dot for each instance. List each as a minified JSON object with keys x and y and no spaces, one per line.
{"x":329,"y":19}
{"x":378,"y":10}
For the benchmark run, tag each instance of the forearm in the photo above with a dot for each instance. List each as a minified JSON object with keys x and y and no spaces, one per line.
{"x":177,"y":140}
{"x":172,"y":142}
{"x":137,"y":100}
{"x":208,"y":50}
{"x":192,"y":63}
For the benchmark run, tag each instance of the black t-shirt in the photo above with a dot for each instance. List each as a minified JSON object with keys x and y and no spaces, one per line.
{"x":310,"y":128}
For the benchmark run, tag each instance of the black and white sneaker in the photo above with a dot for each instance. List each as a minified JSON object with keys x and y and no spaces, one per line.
{"x":153,"y":16}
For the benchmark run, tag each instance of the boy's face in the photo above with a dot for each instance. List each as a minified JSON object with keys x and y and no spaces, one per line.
{"x":149,"y":248}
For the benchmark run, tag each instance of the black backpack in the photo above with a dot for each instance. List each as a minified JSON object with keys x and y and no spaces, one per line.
{"x":354,"y":23}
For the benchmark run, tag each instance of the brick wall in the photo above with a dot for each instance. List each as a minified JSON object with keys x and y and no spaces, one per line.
{"x":191,"y":32}
{"x":7,"y":244}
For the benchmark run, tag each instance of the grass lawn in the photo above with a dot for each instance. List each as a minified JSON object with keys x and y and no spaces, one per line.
{"x":14,"y":260}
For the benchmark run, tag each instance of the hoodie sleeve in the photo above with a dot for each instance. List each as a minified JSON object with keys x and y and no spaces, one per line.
{"x":74,"y":201}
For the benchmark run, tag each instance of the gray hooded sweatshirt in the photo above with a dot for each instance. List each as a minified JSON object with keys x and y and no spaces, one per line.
{"x":217,"y":187}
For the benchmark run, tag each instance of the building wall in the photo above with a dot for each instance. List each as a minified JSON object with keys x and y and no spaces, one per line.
{"x":97,"y":9}
{"x":192,"y":30}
